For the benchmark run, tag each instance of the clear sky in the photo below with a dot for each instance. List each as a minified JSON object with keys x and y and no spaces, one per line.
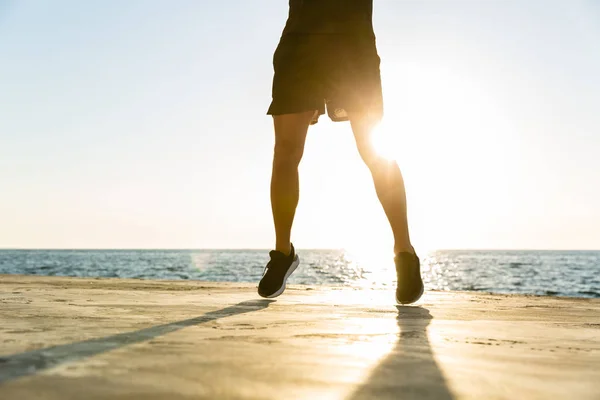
{"x":142,"y":124}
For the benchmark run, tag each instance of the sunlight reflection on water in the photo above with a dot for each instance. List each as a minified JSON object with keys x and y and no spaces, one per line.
{"x":567,"y":273}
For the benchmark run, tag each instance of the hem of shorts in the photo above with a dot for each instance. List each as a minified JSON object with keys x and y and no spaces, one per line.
{"x":295,"y":111}
{"x":340,"y":119}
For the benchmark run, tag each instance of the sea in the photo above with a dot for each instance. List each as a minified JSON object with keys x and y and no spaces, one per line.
{"x":551,"y":273}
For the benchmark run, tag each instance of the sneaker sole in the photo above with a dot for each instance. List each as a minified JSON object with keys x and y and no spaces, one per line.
{"x":414,"y":301}
{"x":292,"y":268}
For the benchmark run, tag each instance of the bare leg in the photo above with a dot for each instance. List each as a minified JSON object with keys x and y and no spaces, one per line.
{"x":290,"y":136}
{"x":388,"y":181}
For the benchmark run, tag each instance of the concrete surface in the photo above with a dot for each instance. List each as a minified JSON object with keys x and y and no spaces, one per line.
{"x":66,"y":338}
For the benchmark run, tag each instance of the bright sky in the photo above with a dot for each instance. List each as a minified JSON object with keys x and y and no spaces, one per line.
{"x":141,"y":124}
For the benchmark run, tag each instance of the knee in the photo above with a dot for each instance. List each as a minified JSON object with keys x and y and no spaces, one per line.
{"x":288,"y":153}
{"x":370,"y":157}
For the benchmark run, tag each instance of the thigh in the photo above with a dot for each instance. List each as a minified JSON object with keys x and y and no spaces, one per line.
{"x":291,"y":129}
{"x":363,"y":124}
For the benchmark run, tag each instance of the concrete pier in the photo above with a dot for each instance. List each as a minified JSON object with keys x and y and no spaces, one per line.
{"x":69,"y":338}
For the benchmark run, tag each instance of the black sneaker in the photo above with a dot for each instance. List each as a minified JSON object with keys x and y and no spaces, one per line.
{"x":410,"y":285}
{"x":277,"y":271}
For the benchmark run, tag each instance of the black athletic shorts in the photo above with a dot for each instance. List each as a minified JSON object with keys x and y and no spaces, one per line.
{"x":337,"y":71}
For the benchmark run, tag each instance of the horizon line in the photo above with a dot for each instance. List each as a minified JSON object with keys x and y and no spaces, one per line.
{"x":257,"y":249}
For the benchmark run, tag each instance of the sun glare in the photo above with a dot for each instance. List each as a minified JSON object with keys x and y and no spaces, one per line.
{"x":449,"y":134}
{"x":454,"y":143}
{"x":386,"y":144}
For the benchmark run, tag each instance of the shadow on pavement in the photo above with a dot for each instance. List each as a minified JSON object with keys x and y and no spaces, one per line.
{"x":410,"y":370}
{"x":31,"y":362}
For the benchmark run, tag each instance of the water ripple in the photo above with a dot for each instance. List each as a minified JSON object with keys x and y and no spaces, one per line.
{"x":563,"y":273}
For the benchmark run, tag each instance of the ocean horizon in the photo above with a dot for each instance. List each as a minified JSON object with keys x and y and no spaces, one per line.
{"x":569,"y":273}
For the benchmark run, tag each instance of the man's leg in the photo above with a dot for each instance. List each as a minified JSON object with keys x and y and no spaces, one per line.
{"x":388,"y":181}
{"x":290,"y":136}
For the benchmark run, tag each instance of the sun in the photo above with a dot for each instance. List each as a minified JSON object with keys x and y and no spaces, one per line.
{"x":386,"y":144}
